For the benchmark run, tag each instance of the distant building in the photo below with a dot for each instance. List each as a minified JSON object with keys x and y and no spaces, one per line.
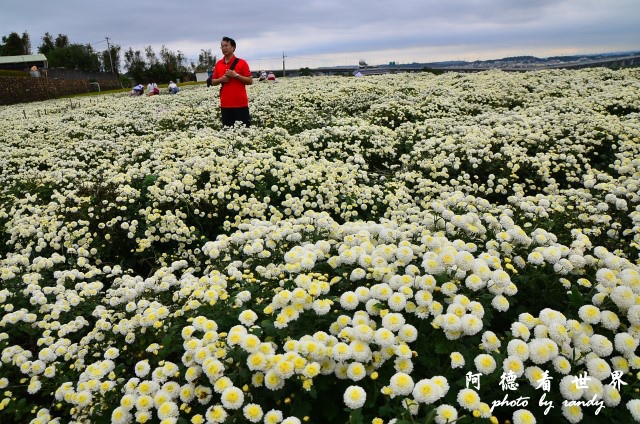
{"x":202,"y":76}
{"x":24,"y":62}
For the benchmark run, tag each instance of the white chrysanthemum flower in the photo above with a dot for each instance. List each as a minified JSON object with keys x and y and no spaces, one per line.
{"x":403,"y":350}
{"x":405,"y":254}
{"x":432,"y":263}
{"x":357,"y":274}
{"x":500,"y":303}
{"x":446,"y":414}
{"x":250,"y":343}
{"x":426,"y":391}
{"x":535,"y":258}
{"x":542,"y":350}
{"x":606,"y":277}
{"x":442,"y":382}
{"x":273,"y":380}
{"x":523,"y":416}
{"x":393,"y":321}
{"x":142,"y":368}
{"x":548,"y":316}
{"x":120,"y":416}
{"x":354,"y":397}
{"x":513,"y":364}
{"x":111,"y":353}
{"x":610,"y":320}
{"x":598,"y":368}
{"x":341,"y":352}
{"x":248,"y":317}
{"x":403,"y":365}
{"x":611,"y":396}
{"x":485,"y":363}
{"x":349,"y":300}
{"x":634,"y":407}
{"x":161,"y":396}
{"x":518,"y":348}
{"x":490,"y":341}
{"x":187,"y":393}
{"x":168,"y":409}
{"x":589,"y":313}
{"x":633,"y":315}
{"x":601,"y":345}
{"x":620,"y":363}
{"x":451,"y":322}
{"x":273,"y":416}
{"x":520,"y":330}
{"x":476,"y":308}
{"x":144,"y":402}
{"x":397,"y":301}
{"x":356,"y":371}
{"x":534,"y":375}
{"x":232,"y":398}
{"x":457,"y":360}
{"x":625,"y":343}
{"x":562,"y":365}
{"x":471,"y":324}
{"x":572,"y":412}
{"x":401,"y":384}
{"x":569,"y":388}
{"x":475,"y":282}
{"x":552,"y":254}
{"x":468,"y":399}
{"x":384,"y":337}
{"x":216,"y":414}
{"x":252,"y":412}
{"x":408,"y":333}
{"x":322,"y":306}
{"x":284,"y":368}
{"x":594,"y":390}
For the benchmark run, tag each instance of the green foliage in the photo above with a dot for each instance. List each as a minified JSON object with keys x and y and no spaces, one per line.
{"x":7,"y":73}
{"x":15,"y":45}
{"x":305,"y":72}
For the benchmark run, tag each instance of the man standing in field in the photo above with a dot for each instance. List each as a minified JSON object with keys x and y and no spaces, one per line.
{"x":234,"y":75}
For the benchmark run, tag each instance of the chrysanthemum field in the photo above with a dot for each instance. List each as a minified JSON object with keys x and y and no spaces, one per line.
{"x":404,"y":248}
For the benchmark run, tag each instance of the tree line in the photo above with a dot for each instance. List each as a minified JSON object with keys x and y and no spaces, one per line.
{"x":139,"y":66}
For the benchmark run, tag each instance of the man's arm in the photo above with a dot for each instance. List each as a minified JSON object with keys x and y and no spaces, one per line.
{"x":233,"y":74}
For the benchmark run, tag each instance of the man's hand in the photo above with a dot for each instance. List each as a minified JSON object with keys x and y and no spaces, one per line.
{"x":231,"y":74}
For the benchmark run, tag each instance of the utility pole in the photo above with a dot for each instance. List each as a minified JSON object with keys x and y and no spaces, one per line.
{"x":283,"y":56}
{"x":110,"y":58}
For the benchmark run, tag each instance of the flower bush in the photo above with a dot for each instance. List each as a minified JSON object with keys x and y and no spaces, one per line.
{"x":399,"y":248}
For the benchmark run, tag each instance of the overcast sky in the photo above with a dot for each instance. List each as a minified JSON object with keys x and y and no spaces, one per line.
{"x":337,"y":32}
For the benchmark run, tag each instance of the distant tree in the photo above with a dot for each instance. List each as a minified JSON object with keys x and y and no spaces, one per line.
{"x":150,"y":55}
{"x":63,"y":54}
{"x":75,"y":56}
{"x":61,"y":41}
{"x":173,"y":64}
{"x":105,"y":59}
{"x":15,"y":45}
{"x":206,"y":61}
{"x":135,"y":65}
{"x":47,"y":44}
{"x":305,"y":72}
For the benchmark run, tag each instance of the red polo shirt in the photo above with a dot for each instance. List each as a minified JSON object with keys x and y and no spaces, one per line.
{"x":234,"y":92}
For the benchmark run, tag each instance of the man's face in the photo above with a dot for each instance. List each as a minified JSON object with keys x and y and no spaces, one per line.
{"x":226,"y":48}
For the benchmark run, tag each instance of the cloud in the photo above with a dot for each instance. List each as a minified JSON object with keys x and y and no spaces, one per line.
{"x":330,"y":30}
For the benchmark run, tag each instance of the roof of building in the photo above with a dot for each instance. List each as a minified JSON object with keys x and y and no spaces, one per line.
{"x":23,"y":58}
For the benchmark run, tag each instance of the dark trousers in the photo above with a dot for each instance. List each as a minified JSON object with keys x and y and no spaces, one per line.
{"x":232,"y":114}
